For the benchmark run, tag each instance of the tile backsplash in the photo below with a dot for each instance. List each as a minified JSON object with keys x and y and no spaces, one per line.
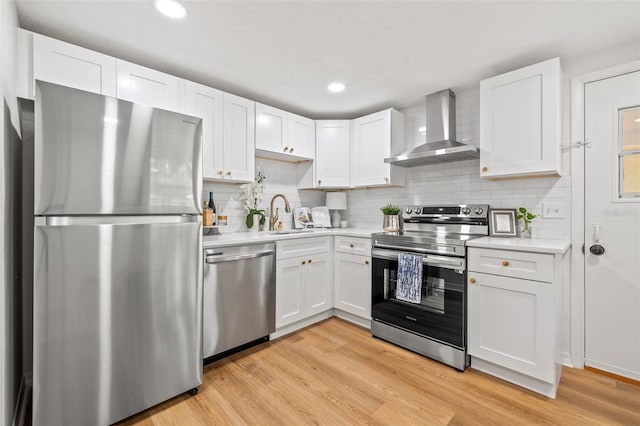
{"x":280,"y":179}
{"x":448,"y":183}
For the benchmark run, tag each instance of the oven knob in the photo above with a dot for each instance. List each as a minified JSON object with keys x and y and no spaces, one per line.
{"x":478,"y":211}
{"x":408,"y":210}
{"x":466,"y":210}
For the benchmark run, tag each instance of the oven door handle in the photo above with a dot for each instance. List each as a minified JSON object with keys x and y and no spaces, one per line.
{"x":443,"y":260}
{"x":404,"y":249}
{"x":439,"y":261}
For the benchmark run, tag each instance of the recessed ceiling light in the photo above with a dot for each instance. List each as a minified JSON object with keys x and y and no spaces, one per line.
{"x":336,"y":87}
{"x":171,"y":8}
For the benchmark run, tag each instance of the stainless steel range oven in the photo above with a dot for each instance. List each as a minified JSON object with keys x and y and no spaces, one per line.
{"x":435,"y":325}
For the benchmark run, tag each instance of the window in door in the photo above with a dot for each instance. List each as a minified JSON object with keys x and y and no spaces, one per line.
{"x":629,"y":152}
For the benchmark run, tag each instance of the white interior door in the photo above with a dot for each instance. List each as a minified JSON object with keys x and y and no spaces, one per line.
{"x":612,"y":224}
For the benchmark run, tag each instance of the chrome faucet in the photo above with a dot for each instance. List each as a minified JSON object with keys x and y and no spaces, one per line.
{"x":273,"y":218}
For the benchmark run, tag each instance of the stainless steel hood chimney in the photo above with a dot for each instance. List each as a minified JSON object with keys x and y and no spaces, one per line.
{"x":440,"y":146}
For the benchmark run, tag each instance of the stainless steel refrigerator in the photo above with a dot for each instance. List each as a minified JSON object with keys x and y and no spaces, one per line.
{"x":117,"y":257}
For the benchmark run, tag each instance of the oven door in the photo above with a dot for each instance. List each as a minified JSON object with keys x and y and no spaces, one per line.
{"x":440,"y":315}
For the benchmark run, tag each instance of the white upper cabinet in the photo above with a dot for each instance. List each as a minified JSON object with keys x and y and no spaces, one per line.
{"x":271,"y":129}
{"x":239,"y":138}
{"x":520,"y":122}
{"x":302,"y":136}
{"x":147,"y":86}
{"x":208,"y":103}
{"x":376,"y":137}
{"x":333,"y":153}
{"x":63,"y":63}
{"x":282,"y":135}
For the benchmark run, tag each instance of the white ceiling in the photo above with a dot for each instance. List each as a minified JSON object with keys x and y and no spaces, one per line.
{"x":389,"y":53}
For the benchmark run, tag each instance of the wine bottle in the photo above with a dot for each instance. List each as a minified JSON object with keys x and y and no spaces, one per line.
{"x":212,"y":206}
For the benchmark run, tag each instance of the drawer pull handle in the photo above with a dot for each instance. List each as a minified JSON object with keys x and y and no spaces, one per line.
{"x":472,"y":280}
{"x":484,"y":169}
{"x":309,"y":260}
{"x":219,"y":172}
{"x":229,"y":173}
{"x":304,"y":263}
{"x":291,"y":151}
{"x":505,"y":263}
{"x":366,"y":262}
{"x":286,"y":148}
{"x":351,"y":246}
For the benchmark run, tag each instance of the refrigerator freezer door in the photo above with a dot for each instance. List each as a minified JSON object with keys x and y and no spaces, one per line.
{"x":117,"y":318}
{"x":96,"y":154}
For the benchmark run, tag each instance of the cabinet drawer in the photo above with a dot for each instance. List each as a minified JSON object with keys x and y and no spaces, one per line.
{"x":302,"y":247}
{"x":352,"y":245}
{"x":530,"y":266}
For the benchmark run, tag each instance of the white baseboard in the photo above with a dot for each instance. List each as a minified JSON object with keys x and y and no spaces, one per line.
{"x":565,"y":359}
{"x":290,"y":328}
{"x":352,"y":318}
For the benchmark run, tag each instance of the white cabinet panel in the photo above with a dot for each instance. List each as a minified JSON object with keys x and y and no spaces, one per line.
{"x":147,"y":86}
{"x":319,"y":285}
{"x":353,"y":284}
{"x":333,"y":153}
{"x":302,"y":247}
{"x":290,"y":297}
{"x":520,"y":121}
{"x":530,"y":266}
{"x":353,"y":245}
{"x":207,"y":103}
{"x":73,"y":66}
{"x":271,"y":129}
{"x":511,"y":323}
{"x":376,"y":137}
{"x":239,"y":138}
{"x":301,"y":135}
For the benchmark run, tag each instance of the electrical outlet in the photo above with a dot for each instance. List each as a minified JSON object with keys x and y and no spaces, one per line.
{"x":553,"y":211}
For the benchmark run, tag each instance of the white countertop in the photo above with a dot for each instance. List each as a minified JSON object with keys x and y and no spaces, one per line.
{"x":536,"y":245}
{"x":239,"y":238}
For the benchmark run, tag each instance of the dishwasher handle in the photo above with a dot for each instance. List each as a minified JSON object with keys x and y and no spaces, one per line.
{"x":216,"y":258}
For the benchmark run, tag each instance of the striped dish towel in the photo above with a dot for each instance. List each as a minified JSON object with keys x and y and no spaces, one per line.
{"x":409,"y":278}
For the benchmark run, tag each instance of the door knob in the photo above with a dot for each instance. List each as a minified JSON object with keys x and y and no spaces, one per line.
{"x":597,"y":250}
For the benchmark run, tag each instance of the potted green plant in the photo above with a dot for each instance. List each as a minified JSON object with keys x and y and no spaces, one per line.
{"x":526,"y":217}
{"x":391,"y":219}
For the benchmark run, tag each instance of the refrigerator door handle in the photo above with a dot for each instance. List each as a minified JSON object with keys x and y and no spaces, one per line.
{"x":113,"y":220}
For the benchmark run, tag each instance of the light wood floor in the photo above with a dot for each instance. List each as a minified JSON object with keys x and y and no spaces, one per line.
{"x":335,"y":373}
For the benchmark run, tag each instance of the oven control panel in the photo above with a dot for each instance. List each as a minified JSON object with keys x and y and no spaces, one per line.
{"x":459,"y":211}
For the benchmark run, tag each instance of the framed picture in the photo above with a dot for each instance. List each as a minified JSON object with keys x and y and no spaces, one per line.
{"x":503,"y":223}
{"x":302,"y":217}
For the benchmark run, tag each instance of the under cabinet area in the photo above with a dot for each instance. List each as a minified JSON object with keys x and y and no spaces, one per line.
{"x":514,"y":302}
{"x":352,"y":263}
{"x":520,"y":122}
{"x":303,"y":279}
{"x":376,"y":137}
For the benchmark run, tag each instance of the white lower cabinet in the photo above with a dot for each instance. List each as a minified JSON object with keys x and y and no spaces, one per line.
{"x":353,"y":284}
{"x":303,"y":283}
{"x":512,"y":322}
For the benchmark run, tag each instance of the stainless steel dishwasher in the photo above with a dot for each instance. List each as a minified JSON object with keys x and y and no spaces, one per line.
{"x":239,"y":296}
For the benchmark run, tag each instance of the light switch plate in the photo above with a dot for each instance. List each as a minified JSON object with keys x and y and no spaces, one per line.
{"x":553,"y":211}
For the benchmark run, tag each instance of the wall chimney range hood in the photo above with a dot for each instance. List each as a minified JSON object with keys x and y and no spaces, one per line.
{"x":440,"y":146}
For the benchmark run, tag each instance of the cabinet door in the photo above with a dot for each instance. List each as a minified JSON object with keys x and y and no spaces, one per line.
{"x":353,"y":284}
{"x":73,"y":66}
{"x":239,"y":138}
{"x":511,"y":323}
{"x":333,"y":153}
{"x":207,"y":103}
{"x":520,"y":125}
{"x":271,"y":129}
{"x":370,"y":145}
{"x":318,"y":284}
{"x":290,"y":296}
{"x":146,"y":86}
{"x":302,"y":136}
